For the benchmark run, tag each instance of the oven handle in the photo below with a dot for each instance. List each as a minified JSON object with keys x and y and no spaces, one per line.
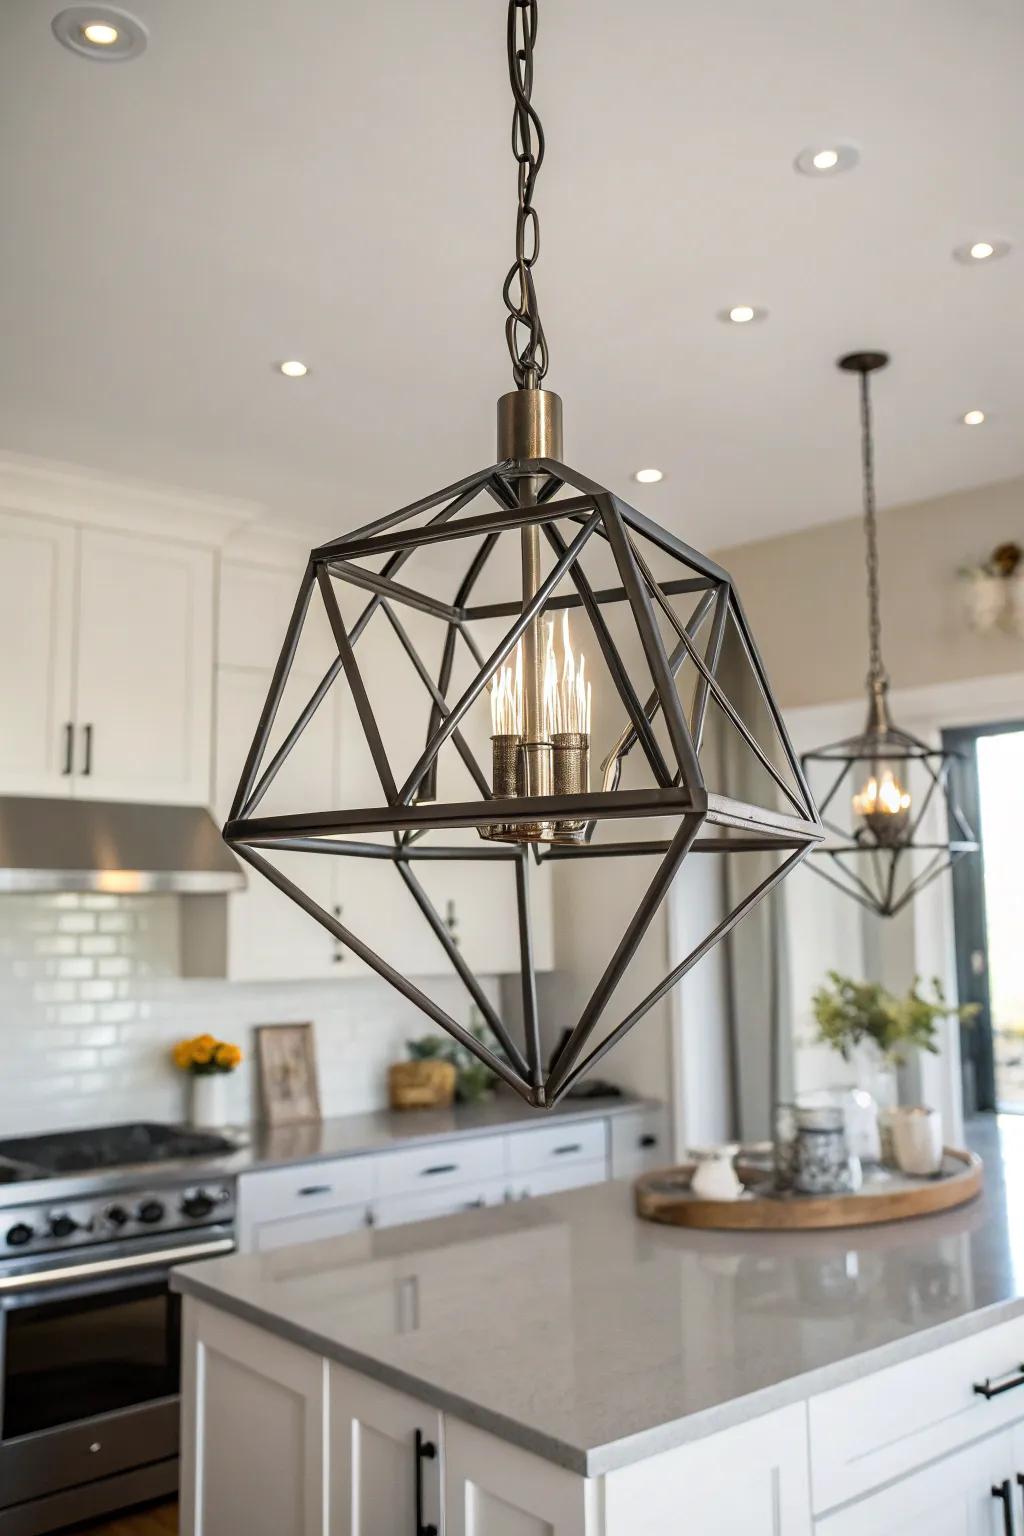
{"x":128,"y":1264}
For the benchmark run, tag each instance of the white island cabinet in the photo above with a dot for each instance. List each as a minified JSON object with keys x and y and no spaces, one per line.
{"x":277,"y":1441}
{"x":556,"y":1367}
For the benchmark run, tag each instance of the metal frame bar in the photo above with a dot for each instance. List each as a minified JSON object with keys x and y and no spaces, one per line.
{"x":360,"y":698}
{"x":377,"y":963}
{"x":443,"y":935}
{"x":676,"y":975}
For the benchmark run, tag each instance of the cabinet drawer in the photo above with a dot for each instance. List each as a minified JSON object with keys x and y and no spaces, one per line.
{"x":304,"y":1189}
{"x":550,"y":1181}
{"x":578,"y":1141}
{"x":426,"y":1204}
{"x":439,"y":1165}
{"x":950,"y":1497}
{"x":885,"y":1425}
{"x":639,"y":1140}
{"x":306,"y":1227}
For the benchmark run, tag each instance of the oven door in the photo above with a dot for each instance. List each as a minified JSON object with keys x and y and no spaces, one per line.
{"x":90,"y":1358}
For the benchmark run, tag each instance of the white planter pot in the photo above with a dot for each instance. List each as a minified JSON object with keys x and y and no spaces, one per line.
{"x":209,"y":1099}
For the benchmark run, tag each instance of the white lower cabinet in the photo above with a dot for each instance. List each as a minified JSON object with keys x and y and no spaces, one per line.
{"x":492,"y":1488}
{"x":252,"y":1431}
{"x":971,"y":1493}
{"x":747,"y":1481}
{"x":383,"y":1459}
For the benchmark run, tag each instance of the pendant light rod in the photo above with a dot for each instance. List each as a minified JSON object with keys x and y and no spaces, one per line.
{"x":864,"y":364}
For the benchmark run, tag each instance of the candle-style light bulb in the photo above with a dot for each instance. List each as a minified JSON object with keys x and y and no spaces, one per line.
{"x":883,"y":806}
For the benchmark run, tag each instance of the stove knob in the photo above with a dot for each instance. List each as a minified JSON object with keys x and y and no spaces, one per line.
{"x":116,"y":1215}
{"x":62,"y":1225}
{"x":197,"y":1205}
{"x":19,"y":1235}
{"x":150,"y":1212}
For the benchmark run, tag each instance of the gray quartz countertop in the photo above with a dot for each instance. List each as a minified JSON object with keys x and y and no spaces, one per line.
{"x":265,"y":1146}
{"x":574,"y":1329}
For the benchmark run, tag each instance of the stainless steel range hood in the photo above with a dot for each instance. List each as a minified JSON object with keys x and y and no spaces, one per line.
{"x":96,"y":845}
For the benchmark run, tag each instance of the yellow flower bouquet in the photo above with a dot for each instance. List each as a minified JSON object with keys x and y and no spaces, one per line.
{"x":204,"y":1055}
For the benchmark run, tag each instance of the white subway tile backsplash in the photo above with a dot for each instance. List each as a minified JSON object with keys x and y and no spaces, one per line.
{"x":91,"y":1004}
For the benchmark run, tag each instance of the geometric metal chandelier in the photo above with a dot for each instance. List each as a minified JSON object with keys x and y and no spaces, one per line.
{"x":495,"y":569}
{"x":884,"y":796}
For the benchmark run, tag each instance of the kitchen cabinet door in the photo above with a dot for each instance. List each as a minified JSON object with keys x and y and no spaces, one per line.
{"x":269,"y":938}
{"x":253,"y":1424}
{"x":374,"y":1460}
{"x":951,"y":1497}
{"x":37,"y":567}
{"x":747,"y":1481}
{"x":144,"y":670}
{"x":495,"y":1489}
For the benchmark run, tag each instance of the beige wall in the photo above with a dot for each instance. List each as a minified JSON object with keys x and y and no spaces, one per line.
{"x":804,"y":596}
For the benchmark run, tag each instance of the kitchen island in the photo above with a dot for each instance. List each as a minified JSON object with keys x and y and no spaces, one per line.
{"x":559,"y":1368}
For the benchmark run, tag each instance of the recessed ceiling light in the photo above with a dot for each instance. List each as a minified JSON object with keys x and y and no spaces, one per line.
{"x":293,"y":369}
{"x":649,"y":476}
{"x":742,"y":314}
{"x":975,"y":251}
{"x":100,"y":32}
{"x":826,"y":159}
{"x":973,"y":418}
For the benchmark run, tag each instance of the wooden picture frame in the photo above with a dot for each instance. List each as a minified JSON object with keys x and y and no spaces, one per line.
{"x":286,"y":1065}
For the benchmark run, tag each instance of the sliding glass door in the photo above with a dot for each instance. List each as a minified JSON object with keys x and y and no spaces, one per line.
{"x":988,"y":896}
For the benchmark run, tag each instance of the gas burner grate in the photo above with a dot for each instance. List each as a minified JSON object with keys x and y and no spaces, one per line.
{"x":113,"y":1146}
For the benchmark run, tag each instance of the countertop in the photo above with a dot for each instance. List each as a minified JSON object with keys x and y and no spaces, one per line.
{"x":264,"y":1146}
{"x":572,"y":1328}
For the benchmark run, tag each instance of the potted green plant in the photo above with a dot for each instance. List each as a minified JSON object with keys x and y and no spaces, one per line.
{"x":858,"y":1017}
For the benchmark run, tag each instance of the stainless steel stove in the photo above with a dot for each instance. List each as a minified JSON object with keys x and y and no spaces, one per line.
{"x":91,"y":1223}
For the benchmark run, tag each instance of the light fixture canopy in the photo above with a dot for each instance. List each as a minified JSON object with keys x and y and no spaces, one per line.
{"x":514,"y":547}
{"x":100,"y":32}
{"x":891,"y":817}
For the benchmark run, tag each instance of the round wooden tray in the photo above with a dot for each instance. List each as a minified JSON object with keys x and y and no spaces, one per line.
{"x":665,"y":1196}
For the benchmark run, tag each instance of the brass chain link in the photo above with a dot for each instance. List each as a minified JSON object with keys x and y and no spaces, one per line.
{"x":524,"y":333}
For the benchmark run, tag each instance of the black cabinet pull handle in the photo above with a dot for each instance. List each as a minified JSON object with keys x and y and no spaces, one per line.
{"x":339,"y":948}
{"x":648,"y":1139}
{"x":570,"y":1146}
{"x":426,"y":1450}
{"x":69,"y":748}
{"x":986,"y":1388}
{"x":1002,"y":1492}
{"x":315,"y":1189}
{"x":439,"y":1168}
{"x":87,"y":738}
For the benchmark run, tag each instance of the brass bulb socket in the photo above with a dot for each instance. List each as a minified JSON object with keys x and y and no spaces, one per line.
{"x":571,"y":754}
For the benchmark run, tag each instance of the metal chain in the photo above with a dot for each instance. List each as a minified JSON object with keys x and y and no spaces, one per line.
{"x":877,"y":674}
{"x":523,"y":331}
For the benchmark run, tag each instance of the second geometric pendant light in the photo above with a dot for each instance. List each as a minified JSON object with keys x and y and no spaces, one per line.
{"x":884,"y":796}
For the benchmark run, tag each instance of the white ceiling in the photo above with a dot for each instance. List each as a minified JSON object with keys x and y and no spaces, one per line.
{"x":333,"y":181}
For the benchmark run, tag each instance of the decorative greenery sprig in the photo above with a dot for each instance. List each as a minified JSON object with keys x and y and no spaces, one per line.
{"x":475,"y":1079}
{"x":851,"y":1013}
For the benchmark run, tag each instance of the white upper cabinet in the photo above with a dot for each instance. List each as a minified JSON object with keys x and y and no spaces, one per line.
{"x":37,"y":606}
{"x":144,"y":669}
{"x":106,"y":663}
